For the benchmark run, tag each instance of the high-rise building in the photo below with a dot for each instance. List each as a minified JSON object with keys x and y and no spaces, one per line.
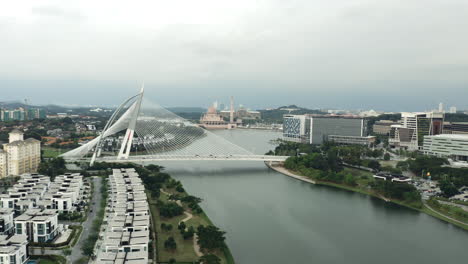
{"x":22,"y":114}
{"x":3,"y":163}
{"x":22,"y":156}
{"x":322,"y":127}
{"x":409,"y":134}
{"x":296,"y":128}
{"x":316,"y":129}
{"x":441,"y":107}
{"x":453,"y":110}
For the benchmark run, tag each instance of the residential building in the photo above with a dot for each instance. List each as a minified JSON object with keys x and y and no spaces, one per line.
{"x":22,"y":114}
{"x":3,"y":163}
{"x":22,"y":156}
{"x":6,"y":221}
{"x":26,"y":193}
{"x":39,"y":225}
{"x":13,"y":249}
{"x":126,"y":236}
{"x":409,"y":134}
{"x":447,"y":145}
{"x":383,"y":127}
{"x":64,"y":194}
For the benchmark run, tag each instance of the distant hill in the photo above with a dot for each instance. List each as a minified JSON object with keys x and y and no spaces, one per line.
{"x":186,"y":109}
{"x":276,"y":115}
{"x":12,"y":105}
{"x":50,"y":109}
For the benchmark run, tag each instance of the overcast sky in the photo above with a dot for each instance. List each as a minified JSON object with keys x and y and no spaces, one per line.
{"x":361,"y":54}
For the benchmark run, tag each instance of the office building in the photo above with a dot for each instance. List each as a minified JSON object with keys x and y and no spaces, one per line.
{"x":22,"y":156}
{"x":323,"y":127}
{"x":447,"y":145}
{"x":242,"y":114}
{"x":409,"y":134}
{"x":441,"y":107}
{"x":456,"y":128}
{"x":296,"y":128}
{"x":316,"y":129}
{"x":452,"y":110}
{"x":13,"y":249}
{"x":368,"y":141}
{"x":383,"y":127}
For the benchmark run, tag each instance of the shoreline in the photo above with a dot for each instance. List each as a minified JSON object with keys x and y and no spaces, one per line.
{"x":286,"y":172}
{"x":435,"y":214}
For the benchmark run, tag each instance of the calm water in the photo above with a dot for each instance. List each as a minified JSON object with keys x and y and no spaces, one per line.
{"x":271,"y":218}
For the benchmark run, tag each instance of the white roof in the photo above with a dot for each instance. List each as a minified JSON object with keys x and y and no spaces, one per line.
{"x":452,"y":136}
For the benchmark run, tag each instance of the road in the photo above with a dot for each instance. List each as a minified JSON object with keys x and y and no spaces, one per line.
{"x":95,"y":202}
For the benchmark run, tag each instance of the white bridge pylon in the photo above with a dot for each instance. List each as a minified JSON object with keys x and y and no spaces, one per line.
{"x":153,"y":133}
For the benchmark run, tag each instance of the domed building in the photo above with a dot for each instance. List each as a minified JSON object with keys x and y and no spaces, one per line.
{"x":213,"y":120}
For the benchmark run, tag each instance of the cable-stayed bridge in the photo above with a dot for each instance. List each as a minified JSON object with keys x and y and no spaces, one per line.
{"x":139,"y":131}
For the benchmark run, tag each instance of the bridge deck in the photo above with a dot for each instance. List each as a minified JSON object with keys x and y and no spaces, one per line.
{"x":140,"y":158}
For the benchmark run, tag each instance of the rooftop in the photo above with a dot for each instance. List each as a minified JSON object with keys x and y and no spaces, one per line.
{"x":451,"y":136}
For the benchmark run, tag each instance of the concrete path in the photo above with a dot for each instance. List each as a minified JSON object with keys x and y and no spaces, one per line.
{"x":448,"y":217}
{"x":189,"y":216}
{"x":95,"y":204}
{"x":196,"y":247}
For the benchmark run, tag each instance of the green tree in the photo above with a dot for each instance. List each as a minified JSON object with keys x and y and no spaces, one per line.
{"x":447,"y":188}
{"x":350,"y":180}
{"x":210,"y":237}
{"x":170,"y":209}
{"x":374,"y":164}
{"x":386,"y":156}
{"x":67,"y":252}
{"x":210,"y":259}
{"x":170,"y":243}
{"x":181,"y":226}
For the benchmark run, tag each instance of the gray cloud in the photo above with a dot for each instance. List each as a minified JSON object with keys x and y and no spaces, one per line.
{"x":300,"y":49}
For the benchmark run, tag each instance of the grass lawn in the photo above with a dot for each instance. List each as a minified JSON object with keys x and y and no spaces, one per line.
{"x":49,"y":152}
{"x":185,"y":251}
{"x":389,"y":163}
